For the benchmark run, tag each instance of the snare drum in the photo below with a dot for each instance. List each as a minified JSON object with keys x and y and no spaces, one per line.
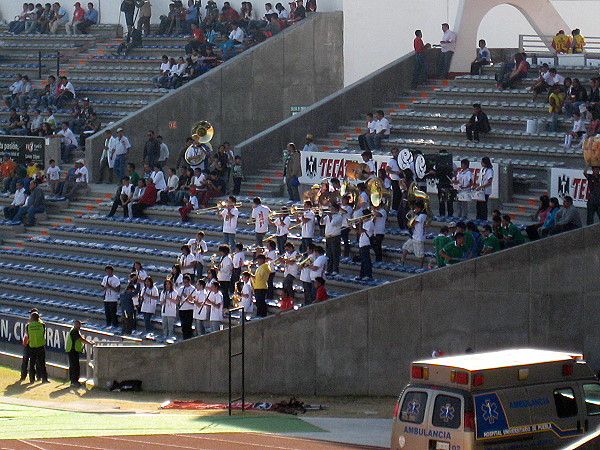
{"x":478,"y":196}
{"x":464,"y":196}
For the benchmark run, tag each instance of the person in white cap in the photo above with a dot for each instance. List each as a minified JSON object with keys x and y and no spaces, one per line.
{"x":309,"y":145}
{"x":81,"y":180}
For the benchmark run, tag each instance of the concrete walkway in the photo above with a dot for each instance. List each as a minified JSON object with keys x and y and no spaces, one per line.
{"x":376,"y":432}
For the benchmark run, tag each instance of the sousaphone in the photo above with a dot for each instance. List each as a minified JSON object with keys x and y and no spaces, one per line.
{"x":202,"y":133}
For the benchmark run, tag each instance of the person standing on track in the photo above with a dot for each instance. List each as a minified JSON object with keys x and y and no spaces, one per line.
{"x":36,"y":340}
{"x":74,"y":348}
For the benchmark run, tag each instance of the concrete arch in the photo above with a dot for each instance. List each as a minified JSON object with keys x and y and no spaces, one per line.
{"x":541,"y":14}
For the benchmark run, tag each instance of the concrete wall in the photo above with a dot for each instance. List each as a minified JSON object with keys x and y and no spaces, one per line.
{"x":332,"y":111}
{"x":542,"y":294}
{"x":248,"y":93}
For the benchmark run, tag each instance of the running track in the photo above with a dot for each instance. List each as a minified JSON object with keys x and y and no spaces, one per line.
{"x":204,"y":441}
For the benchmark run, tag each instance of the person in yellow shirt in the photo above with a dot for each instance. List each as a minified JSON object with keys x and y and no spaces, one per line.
{"x":561,"y":42}
{"x":556,"y":100}
{"x":578,"y":41}
{"x":260,"y":285}
{"x":32,"y":168}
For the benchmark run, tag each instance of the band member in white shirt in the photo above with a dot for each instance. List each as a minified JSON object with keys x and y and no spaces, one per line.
{"x":187,"y":261}
{"x":201,"y":309}
{"x":260,"y":215}
{"x":367,"y":157}
{"x":239,"y":261}
{"x":282,"y":223}
{"x":111,"y":285}
{"x":199,"y":248}
{"x":464,"y":179}
{"x":18,"y":201}
{"x":247,"y":293}
{"x":346,"y":212}
{"x":416,"y":244}
{"x":271,"y":254}
{"x":230,"y":215}
{"x":379,"y":219}
{"x":291,"y":270}
{"x":186,"y":307}
{"x":168,"y":306}
{"x":393,"y":171}
{"x":487,"y":177}
{"x":333,"y":222}
{"x":214,"y":298}
{"x":224,"y":273}
{"x":309,"y":292}
{"x":366,"y":228}
{"x":319,"y":265}
{"x":308,"y":220}
{"x":149,"y":296}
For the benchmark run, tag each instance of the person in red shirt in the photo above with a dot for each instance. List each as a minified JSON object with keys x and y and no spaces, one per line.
{"x":78,"y":14}
{"x":229,"y":14}
{"x":420,"y":72}
{"x":7,"y":166}
{"x":146,"y":200}
{"x":197,"y":40}
{"x":321,"y":295}
{"x":286,"y":301}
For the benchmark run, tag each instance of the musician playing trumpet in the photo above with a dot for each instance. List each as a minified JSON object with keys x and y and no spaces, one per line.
{"x":201,"y":309}
{"x":416,"y":244}
{"x":308,"y":219}
{"x":333,"y":222}
{"x":346,"y":212}
{"x":260,"y":216}
{"x":224,"y":273}
{"x":239,"y":261}
{"x":291,"y":270}
{"x":379,"y":221}
{"x":247,"y":293}
{"x":304,"y":266}
{"x":282,"y":223}
{"x":230,"y":214}
{"x":365,"y":228}
{"x":185,"y":297}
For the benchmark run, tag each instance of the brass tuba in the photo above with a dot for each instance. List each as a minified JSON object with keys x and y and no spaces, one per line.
{"x":349,"y":189}
{"x":378,"y":193}
{"x":414,"y":194}
{"x":202,"y":133}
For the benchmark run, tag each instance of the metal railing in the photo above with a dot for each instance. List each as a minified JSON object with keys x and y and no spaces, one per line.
{"x":541,"y":45}
{"x":43,"y":55}
{"x":234,"y":355}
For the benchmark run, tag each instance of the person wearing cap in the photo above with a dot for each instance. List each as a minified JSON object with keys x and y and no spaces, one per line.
{"x":122,"y":147}
{"x":78,"y":13}
{"x":81,"y":180}
{"x":292,"y":171}
{"x":74,"y":348}
{"x":89,"y":18}
{"x":309,"y":145}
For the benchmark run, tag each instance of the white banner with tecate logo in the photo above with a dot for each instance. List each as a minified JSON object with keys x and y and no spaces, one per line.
{"x":319,"y":165}
{"x":569,"y":182}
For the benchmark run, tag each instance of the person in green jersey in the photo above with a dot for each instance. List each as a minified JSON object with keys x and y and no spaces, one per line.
{"x":511,"y":235}
{"x":439,"y":242}
{"x":456,"y":251}
{"x":491,"y":243}
{"x":74,"y":348}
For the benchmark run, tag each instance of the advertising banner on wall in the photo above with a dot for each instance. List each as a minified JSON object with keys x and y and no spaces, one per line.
{"x":21,"y":147}
{"x":12,"y":331}
{"x":319,"y":165}
{"x":569,"y":182}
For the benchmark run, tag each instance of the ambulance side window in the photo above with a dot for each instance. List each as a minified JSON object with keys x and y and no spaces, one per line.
{"x":413,"y":407}
{"x":565,"y":401}
{"x":591,"y":393}
{"x":447,"y":412}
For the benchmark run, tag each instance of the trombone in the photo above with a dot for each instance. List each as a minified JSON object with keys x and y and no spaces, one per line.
{"x":220,"y":205}
{"x":358,"y":219}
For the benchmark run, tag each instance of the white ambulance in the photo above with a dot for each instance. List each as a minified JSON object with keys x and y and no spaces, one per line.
{"x":510,"y":399}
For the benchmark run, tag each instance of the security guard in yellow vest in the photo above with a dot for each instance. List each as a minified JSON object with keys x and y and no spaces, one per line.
{"x":578,"y":41}
{"x":74,"y":348}
{"x":36,"y":340}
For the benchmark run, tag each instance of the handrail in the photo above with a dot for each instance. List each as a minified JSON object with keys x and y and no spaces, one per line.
{"x":233,"y":355}
{"x":55,"y":55}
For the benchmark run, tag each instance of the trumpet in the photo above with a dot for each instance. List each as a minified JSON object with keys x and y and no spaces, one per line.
{"x":305,"y":262}
{"x":213,"y":260}
{"x":220,"y":205}
{"x":358,"y":219}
